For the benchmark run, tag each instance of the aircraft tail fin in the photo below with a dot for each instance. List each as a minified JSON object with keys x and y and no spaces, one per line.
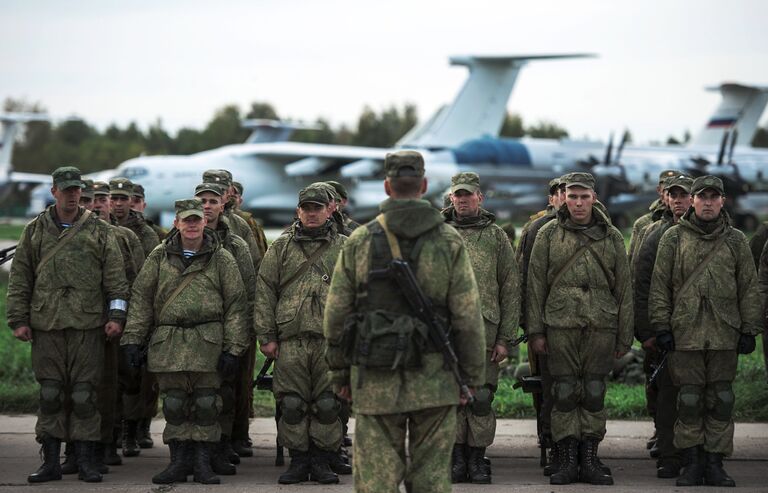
{"x":480,"y":106}
{"x":740,"y":109}
{"x":11,"y":125}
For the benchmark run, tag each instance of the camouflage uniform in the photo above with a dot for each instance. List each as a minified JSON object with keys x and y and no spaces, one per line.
{"x":757,"y":246}
{"x":647,"y":218}
{"x":420,"y":401}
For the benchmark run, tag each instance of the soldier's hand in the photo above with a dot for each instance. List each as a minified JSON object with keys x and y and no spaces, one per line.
{"x":132,"y":355}
{"x":345,"y":393}
{"x":270,"y":349}
{"x":499,"y":353}
{"x":665,"y":340}
{"x":113,"y":329}
{"x":619,"y":354}
{"x":463,"y":399}
{"x":538,"y":344}
{"x":228,"y":364}
{"x":746,"y":344}
{"x":650,"y":344}
{"x":23,"y":333}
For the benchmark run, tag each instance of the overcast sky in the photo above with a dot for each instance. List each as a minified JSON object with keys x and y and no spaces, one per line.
{"x":112,"y":61}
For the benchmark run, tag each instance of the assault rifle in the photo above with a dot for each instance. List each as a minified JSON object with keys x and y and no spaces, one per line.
{"x":264,"y":382}
{"x":400,"y":271}
{"x":6,"y":254}
{"x":657,"y":370}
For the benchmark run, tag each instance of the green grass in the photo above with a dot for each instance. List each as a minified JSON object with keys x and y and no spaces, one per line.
{"x":10,"y":231}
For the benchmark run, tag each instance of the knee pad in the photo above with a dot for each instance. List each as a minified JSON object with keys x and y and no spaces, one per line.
{"x":689,"y":404}
{"x":594,"y":394}
{"x":206,"y":406}
{"x":326,"y":408}
{"x":227,"y":394}
{"x":83,"y":400}
{"x":482,"y":404}
{"x":176,"y":407}
{"x":50,"y":396}
{"x":564,"y":393}
{"x":292,"y":408}
{"x":721,"y":398}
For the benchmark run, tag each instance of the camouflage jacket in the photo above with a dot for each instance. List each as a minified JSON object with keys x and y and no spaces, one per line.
{"x":641,"y":223}
{"x":258,"y":231}
{"x":288,"y":305}
{"x":493,"y":261}
{"x":240,"y":227}
{"x":206,"y":317}
{"x":444,"y":272}
{"x":594,"y":292}
{"x":349,"y":223}
{"x":722,"y":302}
{"x":762,"y":279}
{"x":656,"y":215}
{"x":159,"y":230}
{"x":525,"y":247}
{"x":758,"y":241}
{"x":131,"y":249}
{"x":242,"y":255}
{"x":73,"y":289}
{"x":136,"y":223}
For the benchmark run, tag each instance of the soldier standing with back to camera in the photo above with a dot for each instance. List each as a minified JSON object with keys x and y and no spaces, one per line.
{"x":579,"y":305}
{"x":493,"y":261}
{"x":67,"y":289}
{"x":705,"y":308}
{"x":419,"y":396}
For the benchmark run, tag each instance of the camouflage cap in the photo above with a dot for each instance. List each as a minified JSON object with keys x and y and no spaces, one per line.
{"x":669,"y":173}
{"x":216,"y":188}
{"x":468,"y":181}
{"x":100,"y":188}
{"x":579,"y":179}
{"x":138,"y":190}
{"x":404,"y":163}
{"x":682,"y":181}
{"x":238,"y":187}
{"x":341,"y":190}
{"x":121,"y":186}
{"x":189,"y":207}
{"x":218,"y":176}
{"x":67,"y":177}
{"x":314,"y":194}
{"x":554,"y":184}
{"x":87,"y":188}
{"x":701,"y":183}
{"x":332,"y":195}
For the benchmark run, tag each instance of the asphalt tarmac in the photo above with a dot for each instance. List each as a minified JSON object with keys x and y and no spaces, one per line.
{"x":514,"y":456}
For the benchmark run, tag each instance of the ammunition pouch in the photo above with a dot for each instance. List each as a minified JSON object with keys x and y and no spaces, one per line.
{"x":381,"y":339}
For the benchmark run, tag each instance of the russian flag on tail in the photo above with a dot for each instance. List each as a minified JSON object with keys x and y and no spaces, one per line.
{"x":723,"y":122}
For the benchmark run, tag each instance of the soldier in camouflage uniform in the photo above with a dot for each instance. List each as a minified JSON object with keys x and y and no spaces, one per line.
{"x":493,"y":261}
{"x":579,"y":307}
{"x":138,"y":204}
{"x":210,"y":194}
{"x":756,"y":245}
{"x":678,"y":190}
{"x":763,"y":282}
{"x":420,"y":396}
{"x":67,"y":289}
{"x":646,"y":218}
{"x":343,"y":195}
{"x":705,"y":308}
{"x":235,"y":204}
{"x":334,"y":202}
{"x":188,"y":305}
{"x":291,"y":288}
{"x":138,"y":409}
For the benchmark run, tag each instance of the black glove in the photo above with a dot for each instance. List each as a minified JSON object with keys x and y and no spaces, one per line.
{"x":132,"y":355}
{"x":665,"y":340}
{"x":746,"y":344}
{"x":228,"y":363}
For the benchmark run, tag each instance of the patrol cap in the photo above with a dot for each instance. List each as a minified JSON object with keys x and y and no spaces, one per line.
{"x":314,"y":194}
{"x":121,"y":186}
{"x":217,"y":176}
{"x":216,"y":188}
{"x":189,"y":207}
{"x":404,"y":163}
{"x":87,"y":188}
{"x":332,"y":195}
{"x":681,"y":181}
{"x":669,"y":173}
{"x":579,"y":179}
{"x":100,"y":188}
{"x":341,"y":190}
{"x":701,"y":183}
{"x":67,"y":177}
{"x":554,"y":184}
{"x":467,"y":180}
{"x":238,"y":186}
{"x":138,"y":190}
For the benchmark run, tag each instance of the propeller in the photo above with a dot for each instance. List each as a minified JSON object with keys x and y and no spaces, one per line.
{"x":608,"y":151}
{"x":624,"y":141}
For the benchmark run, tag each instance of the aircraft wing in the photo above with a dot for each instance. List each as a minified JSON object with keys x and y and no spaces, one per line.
{"x":21,"y":177}
{"x":300,"y":150}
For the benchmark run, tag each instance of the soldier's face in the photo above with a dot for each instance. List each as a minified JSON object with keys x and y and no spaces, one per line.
{"x":707,"y":204}
{"x":121,"y":206}
{"x":679,"y":201}
{"x":191,"y":227}
{"x":466,"y":203}
{"x":554,"y":200}
{"x":101,"y":205}
{"x":86,"y":202}
{"x":68,"y":199}
{"x":579,"y":201}
{"x":313,"y":215}
{"x":138,"y":204}
{"x":212,"y":205}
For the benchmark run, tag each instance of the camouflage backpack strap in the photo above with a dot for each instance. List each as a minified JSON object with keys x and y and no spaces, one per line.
{"x":71,"y":232}
{"x":570,"y":262}
{"x":599,"y":259}
{"x":700,"y":268}
{"x":394,"y":245}
{"x":308,"y":262}
{"x":176,"y":292}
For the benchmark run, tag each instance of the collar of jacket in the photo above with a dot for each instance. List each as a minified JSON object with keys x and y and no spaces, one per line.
{"x":482,"y":220}
{"x":326,"y":232}
{"x":174,"y":253}
{"x":718,"y":227}
{"x":597,"y":229}
{"x":133,"y":218}
{"x":410,"y":218}
{"x":55,"y":226}
{"x":656,"y":204}
{"x":659,"y":213}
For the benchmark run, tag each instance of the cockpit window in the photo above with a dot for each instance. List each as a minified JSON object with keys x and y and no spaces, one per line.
{"x":137,"y":172}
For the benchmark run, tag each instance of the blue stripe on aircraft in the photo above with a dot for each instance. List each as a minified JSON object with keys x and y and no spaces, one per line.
{"x":493,"y":151}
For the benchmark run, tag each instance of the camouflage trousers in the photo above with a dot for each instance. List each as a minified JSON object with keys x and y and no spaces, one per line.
{"x":705,"y":399}
{"x":68,"y":365}
{"x":579,"y":361}
{"x":301,"y":379}
{"x":108,"y":391}
{"x":379,"y":460}
{"x":476,"y":423}
{"x":191,"y":405}
{"x":244,"y":394}
{"x":666,"y":413}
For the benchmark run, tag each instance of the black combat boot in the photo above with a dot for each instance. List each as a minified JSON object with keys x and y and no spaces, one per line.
{"x":459,"y":463}
{"x":714,"y":474}
{"x":177,"y":471}
{"x":339,"y":462}
{"x":668,"y":467}
{"x":568,"y":472}
{"x":319,"y":468}
{"x":553,"y":464}
{"x":590,"y":471}
{"x":242,"y":448}
{"x":50,"y":470}
{"x":228,"y":451}
{"x":202,"y":471}
{"x":219,"y":462}
{"x":98,"y":458}
{"x":130,"y":446}
{"x":298,"y":471}
{"x":478,"y":469}
{"x":87,"y":470}
{"x":69,"y":466}
{"x":693,"y":467}
{"x":111,"y":458}
{"x":143,"y":436}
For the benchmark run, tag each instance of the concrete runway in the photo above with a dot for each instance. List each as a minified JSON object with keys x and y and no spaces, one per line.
{"x":514,"y":455}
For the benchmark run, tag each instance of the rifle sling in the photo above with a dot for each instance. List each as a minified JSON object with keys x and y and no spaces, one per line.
{"x":394,"y":246}
{"x":570,"y":262}
{"x":71,"y":232}
{"x":176,"y":292}
{"x":309,"y":260}
{"x":700,"y":268}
